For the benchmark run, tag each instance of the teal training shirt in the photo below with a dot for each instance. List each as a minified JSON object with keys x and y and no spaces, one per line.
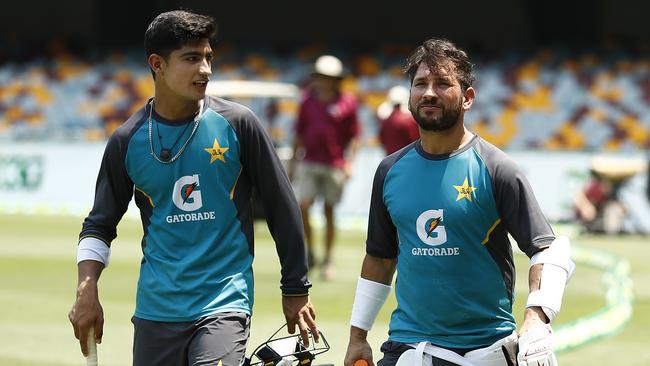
{"x":197,"y":211}
{"x":446,"y":219}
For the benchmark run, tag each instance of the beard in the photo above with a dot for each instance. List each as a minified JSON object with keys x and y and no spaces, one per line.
{"x":448,"y":119}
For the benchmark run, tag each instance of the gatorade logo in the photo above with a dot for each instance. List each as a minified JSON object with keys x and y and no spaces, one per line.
{"x":187,"y":195}
{"x":429,"y":228}
{"x":431,"y":232}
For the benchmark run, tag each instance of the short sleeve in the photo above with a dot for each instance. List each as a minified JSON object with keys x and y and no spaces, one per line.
{"x":516,"y":202}
{"x":382,"y":233}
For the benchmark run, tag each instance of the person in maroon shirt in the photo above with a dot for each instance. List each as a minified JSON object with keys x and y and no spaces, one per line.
{"x":324,"y":145}
{"x":397,"y":126}
{"x":597,"y":207}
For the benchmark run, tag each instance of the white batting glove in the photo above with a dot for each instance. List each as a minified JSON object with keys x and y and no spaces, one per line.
{"x":536,"y":347}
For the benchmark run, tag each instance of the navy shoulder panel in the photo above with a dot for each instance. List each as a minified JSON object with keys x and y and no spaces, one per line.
{"x":516,"y":202}
{"x":382,"y":238}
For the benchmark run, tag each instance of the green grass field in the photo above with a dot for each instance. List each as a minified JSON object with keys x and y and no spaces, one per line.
{"x":38,"y":276}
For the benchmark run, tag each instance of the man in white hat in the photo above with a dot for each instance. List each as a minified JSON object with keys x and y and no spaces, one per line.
{"x":324,"y":144}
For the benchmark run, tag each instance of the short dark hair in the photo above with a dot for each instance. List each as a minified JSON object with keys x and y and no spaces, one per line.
{"x":171,"y":30}
{"x":441,"y":53}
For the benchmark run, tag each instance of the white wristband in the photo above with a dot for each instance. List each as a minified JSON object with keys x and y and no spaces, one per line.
{"x":368,"y":300}
{"x":90,"y":248}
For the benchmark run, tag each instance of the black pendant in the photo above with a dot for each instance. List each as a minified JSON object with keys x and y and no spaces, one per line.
{"x":165,"y":154}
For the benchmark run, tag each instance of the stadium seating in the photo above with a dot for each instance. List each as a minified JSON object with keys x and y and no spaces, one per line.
{"x":551,"y":99}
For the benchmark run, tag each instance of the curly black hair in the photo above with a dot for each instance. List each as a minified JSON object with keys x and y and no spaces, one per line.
{"x":441,"y":53}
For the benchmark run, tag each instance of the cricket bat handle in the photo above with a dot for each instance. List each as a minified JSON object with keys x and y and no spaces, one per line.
{"x":91,"y":359}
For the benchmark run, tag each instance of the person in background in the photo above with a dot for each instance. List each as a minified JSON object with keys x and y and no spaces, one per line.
{"x":324,"y":146}
{"x":647,"y":185}
{"x":597,"y":206}
{"x":397,"y":127}
{"x":191,"y":161}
